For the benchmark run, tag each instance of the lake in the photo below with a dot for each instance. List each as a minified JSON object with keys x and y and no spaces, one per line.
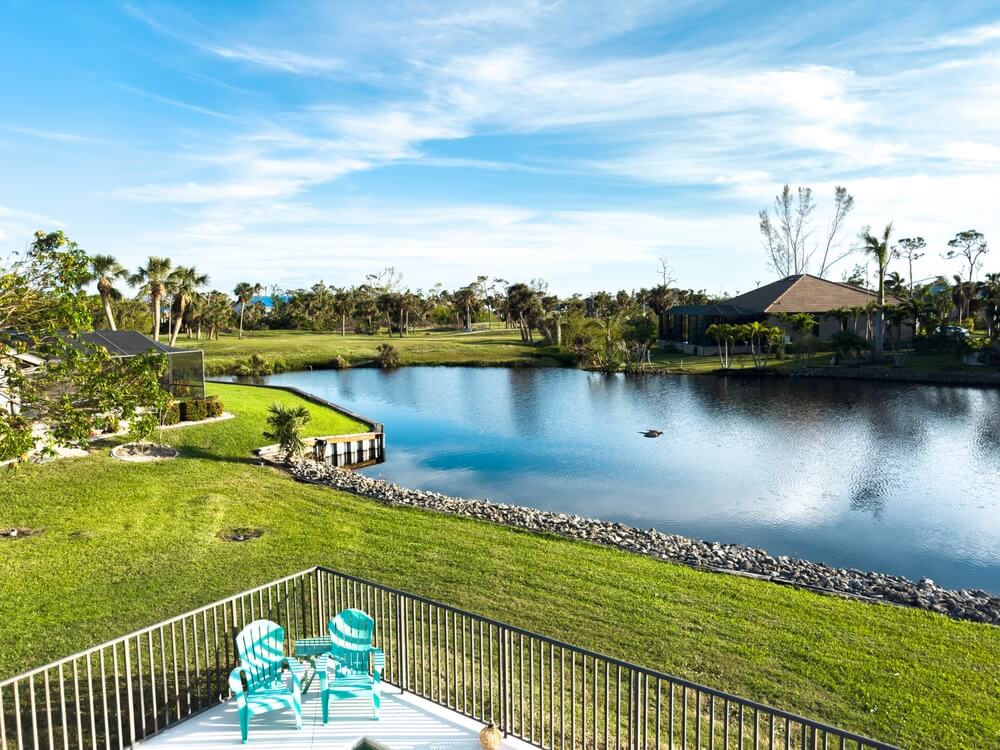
{"x":897,"y":478}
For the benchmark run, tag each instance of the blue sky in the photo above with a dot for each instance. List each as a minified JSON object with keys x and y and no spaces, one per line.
{"x":571,"y":141}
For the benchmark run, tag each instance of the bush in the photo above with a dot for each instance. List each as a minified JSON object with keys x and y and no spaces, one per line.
{"x":340,"y":363}
{"x":213,"y":407}
{"x":258,"y":364}
{"x":193,"y":410}
{"x":387,"y":356}
{"x":107,"y":424}
{"x":172,"y":414}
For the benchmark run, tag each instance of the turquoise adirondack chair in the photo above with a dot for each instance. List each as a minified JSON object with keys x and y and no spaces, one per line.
{"x":353,"y":667}
{"x":257,"y":683}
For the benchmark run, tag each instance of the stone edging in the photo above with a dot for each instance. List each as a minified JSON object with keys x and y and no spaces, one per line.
{"x":735,"y":559}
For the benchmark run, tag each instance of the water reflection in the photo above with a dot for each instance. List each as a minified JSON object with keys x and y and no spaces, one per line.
{"x":897,"y":478}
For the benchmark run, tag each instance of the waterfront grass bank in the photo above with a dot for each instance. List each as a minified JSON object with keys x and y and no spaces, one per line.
{"x":145,"y":540}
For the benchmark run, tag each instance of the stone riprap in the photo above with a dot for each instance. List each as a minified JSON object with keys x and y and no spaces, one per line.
{"x":974,"y":605}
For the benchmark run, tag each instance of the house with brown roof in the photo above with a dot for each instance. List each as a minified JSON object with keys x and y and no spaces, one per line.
{"x":800,"y":293}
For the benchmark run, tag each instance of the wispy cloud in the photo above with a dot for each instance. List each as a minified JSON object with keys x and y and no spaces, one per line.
{"x":281,"y":60}
{"x":51,"y":135}
{"x":174,"y":102}
{"x":971,"y":37}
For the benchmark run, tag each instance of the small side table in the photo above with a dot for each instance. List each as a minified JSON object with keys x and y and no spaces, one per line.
{"x":310,"y":648}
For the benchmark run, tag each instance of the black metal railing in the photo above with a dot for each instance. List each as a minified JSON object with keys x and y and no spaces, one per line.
{"x":540,"y":690}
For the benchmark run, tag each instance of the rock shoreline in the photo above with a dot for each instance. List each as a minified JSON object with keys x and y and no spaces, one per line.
{"x":974,"y":605}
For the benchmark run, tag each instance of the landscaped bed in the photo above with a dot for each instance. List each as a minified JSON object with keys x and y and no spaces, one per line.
{"x":127,"y":545}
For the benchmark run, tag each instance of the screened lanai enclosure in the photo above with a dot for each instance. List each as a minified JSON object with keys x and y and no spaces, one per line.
{"x":185,"y":377}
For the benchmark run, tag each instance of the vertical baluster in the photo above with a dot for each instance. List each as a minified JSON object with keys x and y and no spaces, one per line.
{"x":50,"y":730}
{"x":164,"y":673}
{"x":118,"y":693}
{"x":152,"y":682}
{"x":725,"y":726}
{"x":17,"y":717}
{"x":62,"y":713}
{"x":697,"y":718}
{"x":130,"y":708}
{"x":552,"y":696}
{"x":90,"y":701}
{"x":562,"y":698}
{"x":595,"y":704}
{"x":491,"y":695}
{"x":531,"y":689}
{"x":657,"y":721}
{"x":104,"y":698}
{"x":670,"y":718}
{"x":684,"y":716}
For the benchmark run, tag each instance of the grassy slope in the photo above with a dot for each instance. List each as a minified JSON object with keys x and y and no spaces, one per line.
{"x":300,"y":349}
{"x":126,"y":545}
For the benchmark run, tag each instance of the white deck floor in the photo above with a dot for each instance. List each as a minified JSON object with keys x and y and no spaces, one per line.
{"x":407,"y":723}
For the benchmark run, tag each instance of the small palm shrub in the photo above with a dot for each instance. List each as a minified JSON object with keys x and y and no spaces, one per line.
{"x":286,"y":428}
{"x":387,"y":356}
{"x":257,"y":364}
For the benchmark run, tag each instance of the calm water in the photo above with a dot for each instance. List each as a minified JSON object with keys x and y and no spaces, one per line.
{"x":904,"y":479}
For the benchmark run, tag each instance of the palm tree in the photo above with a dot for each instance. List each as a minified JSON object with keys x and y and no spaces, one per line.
{"x":286,"y":427}
{"x":105,"y":270}
{"x":879,"y":248}
{"x":991,"y":290}
{"x":185,"y":283}
{"x":153,"y":280}
{"x":245,"y":292}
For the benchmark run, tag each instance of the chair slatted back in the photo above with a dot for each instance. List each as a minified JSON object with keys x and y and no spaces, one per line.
{"x":261,"y":649}
{"x":351,"y":634}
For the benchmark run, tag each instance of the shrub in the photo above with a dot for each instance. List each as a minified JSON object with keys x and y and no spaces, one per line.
{"x":340,"y":363}
{"x":142,"y":426}
{"x":387,"y":356}
{"x":107,"y":423}
{"x":287,"y":423}
{"x":257,"y":364}
{"x":213,"y":407}
{"x":193,"y":410}
{"x":172,"y":414}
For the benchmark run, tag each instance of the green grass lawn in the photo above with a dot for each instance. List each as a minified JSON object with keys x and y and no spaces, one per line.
{"x":126,"y":545}
{"x":301,"y":349}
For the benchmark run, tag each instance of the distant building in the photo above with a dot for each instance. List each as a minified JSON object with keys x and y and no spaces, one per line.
{"x":266,"y":301}
{"x":25,"y":363}
{"x":801,"y":293}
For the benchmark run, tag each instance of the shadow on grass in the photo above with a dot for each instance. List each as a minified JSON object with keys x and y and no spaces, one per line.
{"x":193,"y":451}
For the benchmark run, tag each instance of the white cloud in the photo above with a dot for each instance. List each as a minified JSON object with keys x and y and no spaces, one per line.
{"x":51,"y":135}
{"x":174,"y":102}
{"x":284,"y":61}
{"x":971,"y":37}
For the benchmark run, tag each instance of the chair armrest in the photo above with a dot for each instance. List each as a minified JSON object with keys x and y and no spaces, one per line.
{"x":297,"y":670}
{"x":378,"y":661}
{"x":326,"y":667}
{"x":236,"y":687}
